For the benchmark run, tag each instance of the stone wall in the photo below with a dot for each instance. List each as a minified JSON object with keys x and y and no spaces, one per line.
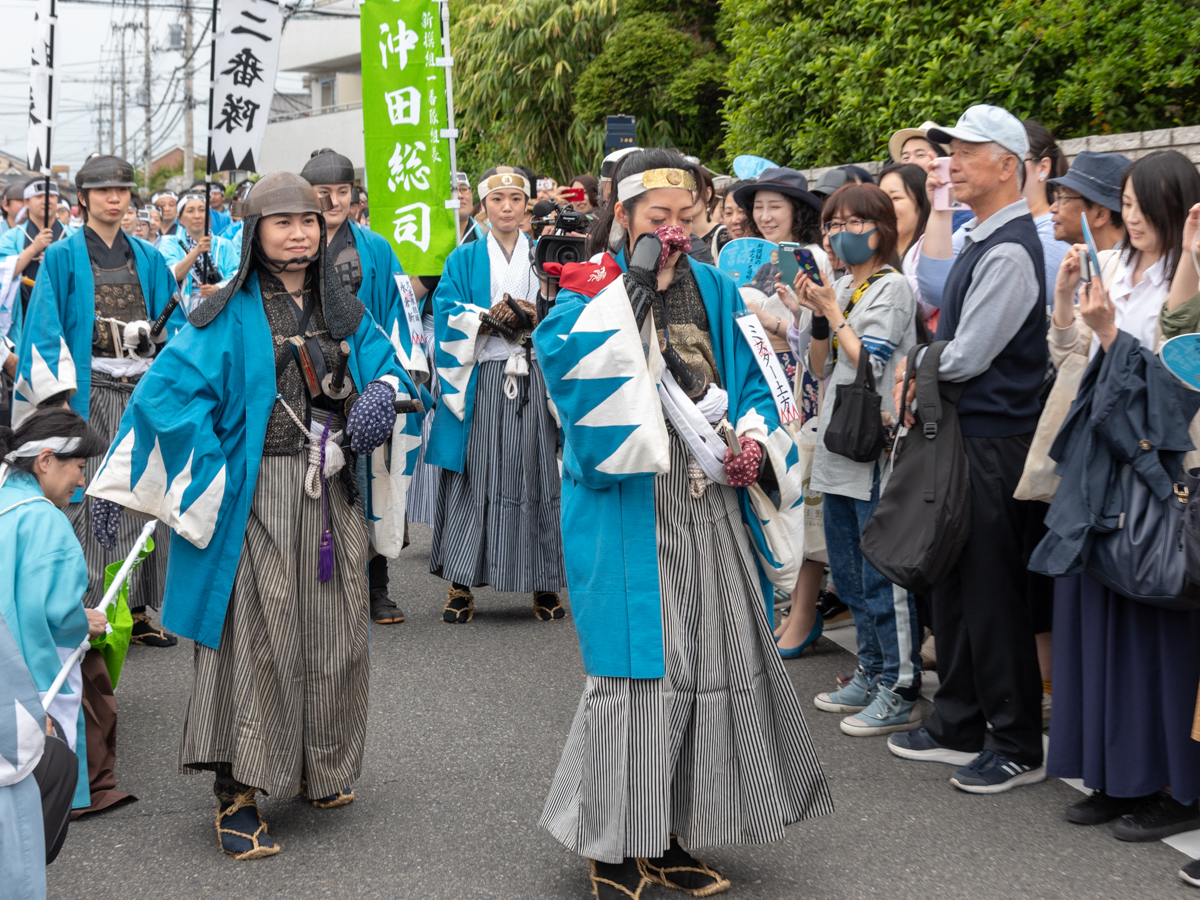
{"x":1134,"y":145}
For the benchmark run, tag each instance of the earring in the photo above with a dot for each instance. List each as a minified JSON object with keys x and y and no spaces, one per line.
{"x":1041,"y":177}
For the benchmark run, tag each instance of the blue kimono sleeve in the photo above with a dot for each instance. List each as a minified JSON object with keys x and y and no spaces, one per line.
{"x":456,"y":325}
{"x":166,"y":460}
{"x":45,"y":366}
{"x":603,"y":388}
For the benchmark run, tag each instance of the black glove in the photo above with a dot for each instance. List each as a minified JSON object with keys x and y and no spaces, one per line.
{"x":641,"y":281}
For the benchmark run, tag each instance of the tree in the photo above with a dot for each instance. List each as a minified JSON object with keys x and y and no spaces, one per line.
{"x":516,"y":66}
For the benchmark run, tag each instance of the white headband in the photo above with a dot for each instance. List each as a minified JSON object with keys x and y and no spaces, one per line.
{"x":164,"y":194}
{"x":634,"y":185}
{"x":39,"y":187}
{"x":58,"y":445}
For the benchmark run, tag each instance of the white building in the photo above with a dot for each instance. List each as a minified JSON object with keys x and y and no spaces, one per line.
{"x":325,"y":47}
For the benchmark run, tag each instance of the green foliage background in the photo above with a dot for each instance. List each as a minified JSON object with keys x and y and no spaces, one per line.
{"x":806,"y":83}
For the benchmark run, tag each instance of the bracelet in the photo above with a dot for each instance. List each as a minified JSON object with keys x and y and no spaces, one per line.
{"x":775,"y":330}
{"x":840,"y":327}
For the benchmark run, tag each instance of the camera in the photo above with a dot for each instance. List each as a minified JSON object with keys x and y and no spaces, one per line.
{"x":563,"y":243}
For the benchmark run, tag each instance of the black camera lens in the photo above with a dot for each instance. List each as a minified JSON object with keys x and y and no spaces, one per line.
{"x":568,"y":254}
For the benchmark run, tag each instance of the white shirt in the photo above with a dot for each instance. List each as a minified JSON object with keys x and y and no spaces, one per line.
{"x":1136,"y":307}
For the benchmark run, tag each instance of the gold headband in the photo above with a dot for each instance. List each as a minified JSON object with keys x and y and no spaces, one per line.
{"x":655,"y":178}
{"x":504,"y":181}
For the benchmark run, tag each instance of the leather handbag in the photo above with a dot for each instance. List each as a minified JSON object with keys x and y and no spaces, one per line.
{"x":856,"y":425}
{"x":1144,"y":557}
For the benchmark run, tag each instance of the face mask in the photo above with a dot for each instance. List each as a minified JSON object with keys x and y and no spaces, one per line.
{"x":853,"y":249}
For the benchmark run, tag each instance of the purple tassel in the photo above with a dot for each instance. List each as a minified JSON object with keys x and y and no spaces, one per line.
{"x":325,"y":557}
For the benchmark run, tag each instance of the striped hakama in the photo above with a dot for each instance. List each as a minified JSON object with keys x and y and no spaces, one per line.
{"x":717,"y":752}
{"x":285,"y":695}
{"x":109,"y":397}
{"x":421,"y":504}
{"x":498,"y":521}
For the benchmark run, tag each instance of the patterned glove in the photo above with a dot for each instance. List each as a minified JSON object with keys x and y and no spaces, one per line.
{"x":106,"y":519}
{"x":742,"y":471}
{"x":371,"y":418}
{"x":673,"y":239}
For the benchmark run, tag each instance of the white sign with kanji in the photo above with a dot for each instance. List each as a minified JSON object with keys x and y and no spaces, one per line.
{"x":247,"y":56}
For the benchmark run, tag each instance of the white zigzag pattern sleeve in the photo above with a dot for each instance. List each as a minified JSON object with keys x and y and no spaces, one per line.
{"x":153,"y":496}
{"x":463,"y":350}
{"x":42,"y":383}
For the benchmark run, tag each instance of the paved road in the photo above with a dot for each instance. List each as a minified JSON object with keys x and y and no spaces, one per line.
{"x":466,"y":725}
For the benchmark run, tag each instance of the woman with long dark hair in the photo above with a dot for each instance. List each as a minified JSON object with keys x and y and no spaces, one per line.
{"x":687,"y":708}
{"x":1043,"y":162}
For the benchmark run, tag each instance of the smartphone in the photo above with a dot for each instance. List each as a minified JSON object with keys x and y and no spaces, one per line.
{"x":545,"y":184}
{"x":941,"y":195}
{"x":1091,"y":245}
{"x":789,"y":266}
{"x":1085,"y":268}
{"x":573,"y":195}
{"x":808,"y":265}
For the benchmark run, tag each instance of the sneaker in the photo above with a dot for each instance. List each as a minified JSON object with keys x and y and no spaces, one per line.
{"x":992,"y":773}
{"x":887,"y":712}
{"x":1100,"y":808}
{"x":1156,"y":817}
{"x":852,"y":698}
{"x":1191,"y":873}
{"x":918,"y":744}
{"x":833,"y":611}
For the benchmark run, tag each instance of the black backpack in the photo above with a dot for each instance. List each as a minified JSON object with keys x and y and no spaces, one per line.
{"x":924,"y":515}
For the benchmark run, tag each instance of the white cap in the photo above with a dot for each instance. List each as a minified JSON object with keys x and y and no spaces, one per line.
{"x":984,"y":124}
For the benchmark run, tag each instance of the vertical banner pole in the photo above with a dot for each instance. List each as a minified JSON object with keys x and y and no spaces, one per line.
{"x":212,"y":80}
{"x":50,"y":111}
{"x":452,"y":132}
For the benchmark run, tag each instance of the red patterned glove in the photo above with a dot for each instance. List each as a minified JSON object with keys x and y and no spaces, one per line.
{"x":674,"y":239}
{"x":742,"y":471}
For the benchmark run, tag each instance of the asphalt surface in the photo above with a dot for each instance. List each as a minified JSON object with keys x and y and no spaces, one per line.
{"x":466,"y":725}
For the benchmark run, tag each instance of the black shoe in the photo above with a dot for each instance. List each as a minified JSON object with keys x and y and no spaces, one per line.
{"x":1156,"y":817}
{"x":460,"y":606}
{"x":148,"y":634}
{"x":832,"y":610}
{"x":1191,"y":873}
{"x":547,"y":607}
{"x":617,"y":881}
{"x":1100,"y":808}
{"x":383,"y":610}
{"x":679,"y":870}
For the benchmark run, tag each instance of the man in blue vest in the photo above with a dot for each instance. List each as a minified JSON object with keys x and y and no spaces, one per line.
{"x":994,"y":316}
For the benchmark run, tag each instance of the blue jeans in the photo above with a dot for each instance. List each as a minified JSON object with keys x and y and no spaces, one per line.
{"x":885,"y":616}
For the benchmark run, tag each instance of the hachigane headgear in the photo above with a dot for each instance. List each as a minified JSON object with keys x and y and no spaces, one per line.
{"x":326,"y":166}
{"x":281,"y":193}
{"x":159,"y":195}
{"x":187,"y":198}
{"x":37,"y":188}
{"x":633,"y":185}
{"x":609,"y":165}
{"x":104,"y":172}
{"x":501,"y":178}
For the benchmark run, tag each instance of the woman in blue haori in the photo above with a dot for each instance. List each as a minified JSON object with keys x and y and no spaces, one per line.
{"x":688,"y":732}
{"x":199,"y":260}
{"x":368,"y":268}
{"x":42,"y":573}
{"x":234,"y":439}
{"x":86,"y":342}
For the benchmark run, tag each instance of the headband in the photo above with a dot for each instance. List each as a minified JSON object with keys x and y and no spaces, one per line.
{"x":164,"y":194}
{"x":634,"y":185}
{"x":511,"y":180}
{"x":39,"y":187}
{"x":188,"y":198}
{"x":58,"y":445}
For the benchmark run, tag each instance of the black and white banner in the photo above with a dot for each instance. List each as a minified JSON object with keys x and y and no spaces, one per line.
{"x":43,"y":91}
{"x":247,"y":56}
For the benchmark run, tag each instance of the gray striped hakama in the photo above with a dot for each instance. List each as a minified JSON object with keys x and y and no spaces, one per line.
{"x":717,"y":752}
{"x":285,"y":694}
{"x":109,"y":397}
{"x":498,"y":521}
{"x":421,"y":504}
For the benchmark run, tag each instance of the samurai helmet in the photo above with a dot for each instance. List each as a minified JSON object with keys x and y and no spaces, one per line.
{"x":104,"y":172}
{"x":326,"y":166}
{"x":280,"y":193}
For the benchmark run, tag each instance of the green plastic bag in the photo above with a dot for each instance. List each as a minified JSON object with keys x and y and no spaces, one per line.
{"x":114,"y":645}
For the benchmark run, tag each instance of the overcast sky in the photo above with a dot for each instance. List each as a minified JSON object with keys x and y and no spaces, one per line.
{"x":88,"y":52}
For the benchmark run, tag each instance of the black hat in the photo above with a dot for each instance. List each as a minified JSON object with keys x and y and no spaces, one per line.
{"x":105,"y":171}
{"x":782,"y":180}
{"x":326,"y":166}
{"x":15,"y":191}
{"x":1096,"y":177}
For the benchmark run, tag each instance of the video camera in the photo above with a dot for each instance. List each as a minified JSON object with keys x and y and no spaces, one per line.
{"x":563,"y":243}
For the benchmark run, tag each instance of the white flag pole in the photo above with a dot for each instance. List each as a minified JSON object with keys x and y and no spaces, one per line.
{"x":450,"y":131}
{"x":110,"y":597}
{"x":50,"y":111}
{"x":212,"y":81}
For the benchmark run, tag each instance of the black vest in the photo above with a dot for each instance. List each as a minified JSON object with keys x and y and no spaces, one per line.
{"x":1004,"y":399}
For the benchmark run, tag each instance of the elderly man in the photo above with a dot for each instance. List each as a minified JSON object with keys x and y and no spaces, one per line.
{"x":166,"y":202}
{"x":993,"y":314}
{"x":1091,"y":186}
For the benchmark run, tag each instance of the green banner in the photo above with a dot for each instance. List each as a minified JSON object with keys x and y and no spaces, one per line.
{"x":409,"y":179}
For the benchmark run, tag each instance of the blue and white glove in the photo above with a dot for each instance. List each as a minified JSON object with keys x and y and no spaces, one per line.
{"x":372,"y":418}
{"x":106,"y":519}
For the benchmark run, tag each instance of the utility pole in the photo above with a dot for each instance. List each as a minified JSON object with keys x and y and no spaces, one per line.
{"x":189,"y":98}
{"x":124,"y":137}
{"x":146,"y":85}
{"x":112,"y":114}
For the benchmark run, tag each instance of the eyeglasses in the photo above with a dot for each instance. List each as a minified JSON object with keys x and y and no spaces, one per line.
{"x":1064,"y":197}
{"x":853,"y":224}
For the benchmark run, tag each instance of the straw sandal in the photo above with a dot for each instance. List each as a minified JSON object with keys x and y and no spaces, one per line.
{"x":460,"y":606}
{"x":547,"y":607}
{"x":679,"y":870}
{"x":341,"y":798}
{"x":247,"y":837}
{"x":148,"y":634}
{"x":607,"y":889}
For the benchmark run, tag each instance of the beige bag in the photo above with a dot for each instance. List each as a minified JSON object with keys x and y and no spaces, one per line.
{"x":805,"y":437}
